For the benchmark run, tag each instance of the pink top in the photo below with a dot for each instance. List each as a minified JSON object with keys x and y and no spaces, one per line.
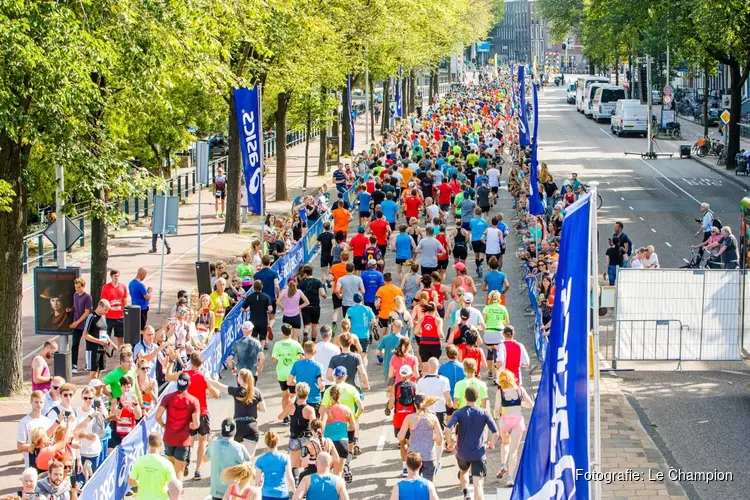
{"x":291,"y":305}
{"x":397,"y":362}
{"x":45,"y":386}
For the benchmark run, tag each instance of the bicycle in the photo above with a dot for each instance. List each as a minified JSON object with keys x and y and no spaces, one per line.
{"x":696,"y":261}
{"x":599,"y":200}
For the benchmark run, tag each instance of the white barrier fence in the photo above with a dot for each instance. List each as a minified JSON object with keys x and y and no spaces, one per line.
{"x":685,"y":314}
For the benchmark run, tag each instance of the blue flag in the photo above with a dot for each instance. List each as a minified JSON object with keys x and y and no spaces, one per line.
{"x":555,"y":459}
{"x":535,"y":202}
{"x":351,"y":112}
{"x":399,"y":113}
{"x":523,"y":122}
{"x":247,"y":106}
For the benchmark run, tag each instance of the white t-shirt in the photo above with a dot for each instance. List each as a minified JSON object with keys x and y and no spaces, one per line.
{"x":651,"y":262}
{"x":493,"y":238}
{"x":89,"y":448}
{"x":636,"y":264}
{"x":434,"y":385}
{"x":475,"y":317}
{"x":26,"y":426}
{"x":323,"y":354}
{"x":433,"y":211}
{"x":493,"y":175}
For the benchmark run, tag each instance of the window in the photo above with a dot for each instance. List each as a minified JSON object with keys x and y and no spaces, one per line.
{"x":609,"y":95}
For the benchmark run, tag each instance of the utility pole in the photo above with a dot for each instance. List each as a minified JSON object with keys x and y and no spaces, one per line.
{"x":63,"y":363}
{"x":667,"y":64}
{"x":367,"y":100}
{"x":648,"y":97}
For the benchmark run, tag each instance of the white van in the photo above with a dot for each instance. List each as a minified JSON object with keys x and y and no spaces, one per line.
{"x":631,"y":117}
{"x":605,"y":102}
{"x":582,"y":84}
{"x":588,"y":97}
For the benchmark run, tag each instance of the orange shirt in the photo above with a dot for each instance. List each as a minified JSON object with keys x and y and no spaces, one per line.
{"x":387,"y":294}
{"x":338,"y":270}
{"x":406,"y":173}
{"x":340,"y":219}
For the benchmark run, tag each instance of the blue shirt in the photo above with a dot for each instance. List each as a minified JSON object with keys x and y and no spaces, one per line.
{"x":308,"y":371}
{"x":478,"y":227}
{"x":360,"y":316}
{"x":268,"y":276}
{"x":137,"y":290}
{"x":454,"y":372}
{"x":471,"y":421}
{"x":322,"y":487}
{"x":481,"y":178}
{"x":372,"y":279}
{"x":403,"y":246}
{"x":390,"y":210}
{"x":224,"y":453}
{"x":502,"y":226}
{"x":387,"y":344}
{"x":273,"y":465}
{"x":414,"y":489}
{"x":364,"y":201}
{"x":495,"y":281}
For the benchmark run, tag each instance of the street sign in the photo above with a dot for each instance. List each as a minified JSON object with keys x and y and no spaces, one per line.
{"x":668,"y":89}
{"x":201,"y":162}
{"x":725,"y":116}
{"x":726,"y":101}
{"x":168,"y":224}
{"x":667,"y":99}
{"x":72,"y":232}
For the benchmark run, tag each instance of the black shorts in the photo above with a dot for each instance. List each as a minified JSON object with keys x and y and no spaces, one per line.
{"x":396,"y":430}
{"x":204,"y":428}
{"x":311,"y":315}
{"x":393,"y":226}
{"x":364,"y":215}
{"x":478,"y":467}
{"x":247,"y":431}
{"x":359,"y":263}
{"x":336,"y":301}
{"x":485,"y":209}
{"x":274,"y":305}
{"x":350,"y":435}
{"x":220,"y":195}
{"x":95,"y":361}
{"x":286,"y":387}
{"x":326,"y":260}
{"x":344,"y":309}
{"x":502,"y":249}
{"x":478,"y":246}
{"x":261,"y":331}
{"x":428,"y":270}
{"x":445,"y":207}
{"x":383,"y":249}
{"x":443,"y":264}
{"x":342,"y":447}
{"x":400,"y":261}
{"x":441,"y":418}
{"x":365,"y":343}
{"x":293,"y":321}
{"x":429,"y":351}
{"x":460,"y":252}
{"x":383,"y":323}
{"x":180,"y":453}
{"x":116,"y":326}
{"x":490,"y":255}
{"x":495,"y":189}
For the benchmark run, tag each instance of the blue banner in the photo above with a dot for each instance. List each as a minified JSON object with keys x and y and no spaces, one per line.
{"x":523,"y":122}
{"x":555,"y":459}
{"x":535,"y":202}
{"x":247,"y":106}
{"x":399,"y":109}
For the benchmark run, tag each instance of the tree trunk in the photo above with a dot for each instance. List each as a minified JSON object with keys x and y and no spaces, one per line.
{"x":448,"y":65}
{"x":384,"y":125}
{"x":431,"y":96}
{"x":617,"y":71}
{"x":281,"y":109}
{"x":323,"y":138}
{"x":346,"y":125}
{"x":736,"y":82}
{"x":99,"y":251}
{"x":13,"y":161}
{"x":307,"y":147}
{"x":705,"y":100}
{"x":372,"y":108}
{"x":232,"y":222}
{"x":413,"y":91}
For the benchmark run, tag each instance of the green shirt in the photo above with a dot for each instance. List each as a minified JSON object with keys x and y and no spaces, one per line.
{"x":457,"y":202}
{"x":472,"y":158}
{"x":153,"y":472}
{"x":285,"y":352}
{"x":496,"y":316}
{"x":245,"y":270}
{"x":477,"y":384}
{"x":349,"y":396}
{"x":112,"y":379}
{"x":457,"y":150}
{"x":376,"y":171}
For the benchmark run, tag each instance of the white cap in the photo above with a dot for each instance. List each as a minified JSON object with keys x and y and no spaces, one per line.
{"x":247,"y":326}
{"x":405,"y":371}
{"x":468,"y":298}
{"x":95,"y":383}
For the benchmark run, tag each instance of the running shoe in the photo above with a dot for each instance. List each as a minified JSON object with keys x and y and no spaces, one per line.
{"x":186,"y":473}
{"x":387,"y":412}
{"x":503,"y":470}
{"x":74,"y":369}
{"x":198,"y":476}
{"x":356,"y":450}
{"x":287,"y":420}
{"x":509,"y":483}
{"x":348,"y":473}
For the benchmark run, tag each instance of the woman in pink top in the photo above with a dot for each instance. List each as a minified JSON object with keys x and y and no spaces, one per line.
{"x":401,"y":356}
{"x":291,"y":301}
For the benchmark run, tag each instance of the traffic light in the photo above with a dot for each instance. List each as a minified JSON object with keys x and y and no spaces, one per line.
{"x":564,"y":46}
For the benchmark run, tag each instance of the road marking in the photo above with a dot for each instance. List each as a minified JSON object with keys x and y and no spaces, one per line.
{"x":381,"y":443}
{"x":605,"y":133}
{"x":668,"y":244}
{"x":653,"y":230}
{"x":686,"y":261}
{"x":670,"y":180}
{"x":641,"y":218}
{"x":608,"y":183}
{"x":631,"y":208}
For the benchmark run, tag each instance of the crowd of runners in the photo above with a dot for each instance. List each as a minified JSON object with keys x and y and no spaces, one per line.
{"x":414,"y":272}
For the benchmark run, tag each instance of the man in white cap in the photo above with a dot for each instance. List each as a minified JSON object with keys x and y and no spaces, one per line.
{"x":475,"y":316}
{"x":403,"y":393}
{"x":247,"y":352}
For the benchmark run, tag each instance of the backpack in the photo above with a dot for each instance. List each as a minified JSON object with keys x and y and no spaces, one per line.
{"x":716,"y":222}
{"x":406,"y":395}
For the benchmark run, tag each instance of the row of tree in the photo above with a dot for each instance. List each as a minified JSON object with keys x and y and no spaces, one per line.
{"x":701,"y":33}
{"x":110,"y":90}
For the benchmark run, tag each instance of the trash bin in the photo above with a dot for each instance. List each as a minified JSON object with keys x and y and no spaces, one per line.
{"x":740,"y":164}
{"x":684,"y":150}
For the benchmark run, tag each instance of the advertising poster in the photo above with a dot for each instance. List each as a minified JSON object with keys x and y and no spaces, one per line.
{"x":53,"y":300}
{"x":332,"y":150}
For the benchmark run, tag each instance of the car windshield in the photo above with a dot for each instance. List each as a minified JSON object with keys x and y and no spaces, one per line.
{"x":609,"y":95}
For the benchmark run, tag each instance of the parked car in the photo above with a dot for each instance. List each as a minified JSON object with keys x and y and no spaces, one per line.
{"x":572,"y":93}
{"x":605,"y":102}
{"x":218,"y":146}
{"x":630,"y":117}
{"x":655,"y":97}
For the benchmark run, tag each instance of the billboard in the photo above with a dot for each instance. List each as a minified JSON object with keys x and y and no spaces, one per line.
{"x":53,"y":300}
{"x":332,"y":150}
{"x":483,"y":46}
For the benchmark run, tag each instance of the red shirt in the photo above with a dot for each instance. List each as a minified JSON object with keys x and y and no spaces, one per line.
{"x":180,"y":407}
{"x":379,"y":228}
{"x":117,"y":297}
{"x":370,"y":186}
{"x":197,"y":388}
{"x":412,"y":206}
{"x":444,"y":194}
{"x":437,"y":135}
{"x":359,"y":243}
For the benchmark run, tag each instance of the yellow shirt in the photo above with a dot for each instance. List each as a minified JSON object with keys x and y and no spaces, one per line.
{"x":219,"y":306}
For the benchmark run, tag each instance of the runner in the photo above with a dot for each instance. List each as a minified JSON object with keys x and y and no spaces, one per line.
{"x":322,"y":485}
{"x":403,"y":404}
{"x":220,"y":192}
{"x":511,"y":397}
{"x":300,"y":415}
{"x":424,"y":434}
{"x":291,"y":301}
{"x":385,"y":302}
{"x":414,"y":487}
{"x":326,"y":251}
{"x":261,"y":309}
{"x":362,"y":321}
{"x":310,"y":372}
{"x":478,"y":227}
{"x":429,"y":332}
{"x":511,"y":354}
{"x":182,"y":417}
{"x":285,"y":353}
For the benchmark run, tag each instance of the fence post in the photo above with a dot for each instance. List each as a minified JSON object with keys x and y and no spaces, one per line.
{"x":82,"y":226}
{"x":127,"y":208}
{"x":136,"y":210}
{"x":25,"y":257}
{"x":194,"y":183}
{"x":213,"y":171}
{"x":40,"y":249}
{"x":179,"y":187}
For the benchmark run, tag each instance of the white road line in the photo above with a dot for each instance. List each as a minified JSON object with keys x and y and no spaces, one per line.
{"x":623,"y":199}
{"x":686,"y":261}
{"x":608,"y":183}
{"x":641,"y":218}
{"x":653,"y":230}
{"x":668,"y":244}
{"x":605,"y":133}
{"x":381,"y":443}
{"x":671,"y":181}
{"x":631,"y":208}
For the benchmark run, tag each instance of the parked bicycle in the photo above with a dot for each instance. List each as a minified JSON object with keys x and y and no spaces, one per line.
{"x":671,"y":129}
{"x":709,"y":145}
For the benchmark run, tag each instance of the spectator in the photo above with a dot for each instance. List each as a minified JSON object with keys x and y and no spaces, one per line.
{"x":126,"y":412}
{"x":41,"y":378}
{"x":652,"y":260}
{"x":97,"y":339}
{"x":116,"y":296}
{"x":140,"y":294}
{"x":29,"y":481}
{"x":91,"y":428}
{"x":729,"y":251}
{"x":35,"y":419}
{"x":224,"y":453}
{"x":56,"y":486}
{"x":82,"y":307}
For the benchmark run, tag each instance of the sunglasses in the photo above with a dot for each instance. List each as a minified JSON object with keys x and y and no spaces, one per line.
{"x":87,"y":398}
{"x":55,"y":387}
{"x":144,"y":369}
{"x":68,"y":395}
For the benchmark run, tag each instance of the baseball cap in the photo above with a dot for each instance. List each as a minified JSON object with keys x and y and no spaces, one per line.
{"x":468,"y":298}
{"x":405,"y":371}
{"x":247,"y":325}
{"x":95,"y":383}
{"x":411,"y":184}
{"x":183,"y":381}
{"x":228,"y":427}
{"x":465,"y":314}
{"x":361,"y":229}
{"x":460,"y":266}
{"x":357,"y":297}
{"x":340,"y":372}
{"x":372,"y":263}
